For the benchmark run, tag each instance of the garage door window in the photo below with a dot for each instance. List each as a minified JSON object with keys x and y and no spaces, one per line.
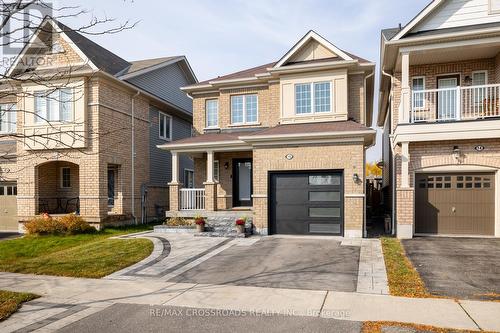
{"x":324,"y":196}
{"x":324,"y":180}
{"x":8,"y":190}
{"x":324,"y":212}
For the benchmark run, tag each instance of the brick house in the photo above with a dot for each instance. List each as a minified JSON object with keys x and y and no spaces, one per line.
{"x":439,"y":107}
{"x":79,"y":130}
{"x":282,"y":144}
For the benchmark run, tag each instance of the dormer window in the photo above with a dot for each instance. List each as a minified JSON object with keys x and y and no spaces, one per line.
{"x":314,"y":97}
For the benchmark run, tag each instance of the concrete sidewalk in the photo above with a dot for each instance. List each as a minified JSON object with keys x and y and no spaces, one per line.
{"x":66,"y":300}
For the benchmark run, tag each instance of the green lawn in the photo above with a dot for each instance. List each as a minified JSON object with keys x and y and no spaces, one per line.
{"x":403,"y":278}
{"x":90,"y":255}
{"x":10,"y":302}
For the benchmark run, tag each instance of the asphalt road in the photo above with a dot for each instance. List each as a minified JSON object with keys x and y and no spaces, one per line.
{"x":123,"y":318}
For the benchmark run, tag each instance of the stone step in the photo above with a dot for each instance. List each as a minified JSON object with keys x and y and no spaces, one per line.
{"x":222,"y":234}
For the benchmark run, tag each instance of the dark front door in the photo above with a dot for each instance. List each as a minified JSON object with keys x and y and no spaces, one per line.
{"x":304,"y":203}
{"x":242,"y":182}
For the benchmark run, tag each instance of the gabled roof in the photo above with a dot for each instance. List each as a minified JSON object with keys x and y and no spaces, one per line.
{"x":139,"y":65}
{"x":312,"y":35}
{"x":102,"y":58}
{"x":286,"y":61}
{"x":417,"y":19}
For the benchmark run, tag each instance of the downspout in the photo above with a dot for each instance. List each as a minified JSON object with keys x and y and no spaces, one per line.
{"x":365,"y":232}
{"x":133,"y":157}
{"x":393,"y":166}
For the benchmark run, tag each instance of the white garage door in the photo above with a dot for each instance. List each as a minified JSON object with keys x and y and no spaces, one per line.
{"x":8,"y":206}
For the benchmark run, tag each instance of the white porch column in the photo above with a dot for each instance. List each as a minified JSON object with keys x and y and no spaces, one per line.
{"x":405,"y":160}
{"x":175,"y":167}
{"x":404,"y":110}
{"x":210,"y":166}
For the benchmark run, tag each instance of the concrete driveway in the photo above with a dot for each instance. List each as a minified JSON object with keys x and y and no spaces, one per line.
{"x":466,"y":268}
{"x":296,"y":263}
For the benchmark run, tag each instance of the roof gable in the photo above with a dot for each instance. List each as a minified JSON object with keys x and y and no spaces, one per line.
{"x":312,"y":47}
{"x":74,"y":48}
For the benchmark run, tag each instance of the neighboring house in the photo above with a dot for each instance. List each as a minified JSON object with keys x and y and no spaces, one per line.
{"x":440,"y":109}
{"x":283,"y":143}
{"x":86,"y":128}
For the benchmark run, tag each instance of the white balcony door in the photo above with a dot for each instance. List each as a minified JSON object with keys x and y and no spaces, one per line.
{"x":447,"y":98}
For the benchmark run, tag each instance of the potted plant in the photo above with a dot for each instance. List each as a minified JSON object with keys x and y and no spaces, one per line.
{"x":200,"y":223}
{"x":240,"y":224}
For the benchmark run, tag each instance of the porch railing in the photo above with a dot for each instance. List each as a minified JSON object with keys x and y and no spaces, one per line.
{"x":192,"y":199}
{"x":455,"y":104}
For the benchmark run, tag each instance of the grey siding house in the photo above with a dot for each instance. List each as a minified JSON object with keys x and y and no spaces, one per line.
{"x":163,"y":77}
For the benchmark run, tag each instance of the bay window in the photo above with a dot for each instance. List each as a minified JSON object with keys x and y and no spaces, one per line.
{"x":7,"y":118}
{"x":54,"y":105}
{"x":244,"y":109}
{"x":315,"y":97}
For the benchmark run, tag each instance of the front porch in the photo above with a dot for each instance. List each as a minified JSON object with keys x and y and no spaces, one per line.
{"x":222,"y":182}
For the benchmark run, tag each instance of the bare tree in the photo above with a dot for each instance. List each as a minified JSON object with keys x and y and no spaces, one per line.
{"x":22,"y":24}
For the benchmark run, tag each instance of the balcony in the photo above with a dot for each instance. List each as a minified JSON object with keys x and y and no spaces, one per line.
{"x":455,"y":104}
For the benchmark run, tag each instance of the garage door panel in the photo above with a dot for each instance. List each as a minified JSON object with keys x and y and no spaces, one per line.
{"x":306,"y":203}
{"x":455,"y":204}
{"x":8,"y":206}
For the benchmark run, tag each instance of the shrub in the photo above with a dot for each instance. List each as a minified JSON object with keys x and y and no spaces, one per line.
{"x":76,"y":225}
{"x":177,"y":221}
{"x":69,"y":224}
{"x":44,"y":226}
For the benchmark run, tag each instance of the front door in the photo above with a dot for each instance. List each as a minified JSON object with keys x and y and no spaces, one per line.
{"x":447,"y":98}
{"x":242,"y":182}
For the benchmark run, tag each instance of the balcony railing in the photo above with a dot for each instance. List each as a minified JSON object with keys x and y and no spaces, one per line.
{"x":192,"y":199}
{"x":455,"y":104}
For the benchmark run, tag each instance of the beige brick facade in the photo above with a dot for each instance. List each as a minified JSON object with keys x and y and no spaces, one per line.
{"x":423,"y":155}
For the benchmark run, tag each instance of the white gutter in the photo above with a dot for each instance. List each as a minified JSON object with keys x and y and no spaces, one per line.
{"x":255,"y":138}
{"x":133,"y":156}
{"x":201,"y":144}
{"x":443,"y":36}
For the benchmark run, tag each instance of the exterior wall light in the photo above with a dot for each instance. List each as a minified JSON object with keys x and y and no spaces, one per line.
{"x":355,"y":178}
{"x":456,"y":152}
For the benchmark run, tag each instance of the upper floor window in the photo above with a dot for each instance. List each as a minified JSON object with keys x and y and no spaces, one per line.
{"x":54,"y":105}
{"x":418,"y":85}
{"x":244,"y":109}
{"x":212,"y":110}
{"x":165,"y":126}
{"x":479,"y":78}
{"x":494,"y":6}
{"x":313,"y":97}
{"x":7,"y":118}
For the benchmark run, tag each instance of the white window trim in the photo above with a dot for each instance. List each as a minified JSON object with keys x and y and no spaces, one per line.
{"x":424,"y":87}
{"x":169,"y":138}
{"x":12,"y":128}
{"x":478,"y":72}
{"x":256,"y":122}
{"x":206,"y":113}
{"x":46,"y":95}
{"x":313,"y":99}
{"x":217,"y":171}
{"x":491,"y":10}
{"x":62,"y":177}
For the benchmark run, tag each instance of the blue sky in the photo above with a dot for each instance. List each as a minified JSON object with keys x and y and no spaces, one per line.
{"x":221,"y":36}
